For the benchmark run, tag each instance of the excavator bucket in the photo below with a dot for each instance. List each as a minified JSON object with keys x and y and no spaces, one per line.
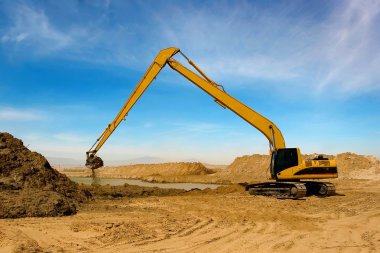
{"x":94,"y":162}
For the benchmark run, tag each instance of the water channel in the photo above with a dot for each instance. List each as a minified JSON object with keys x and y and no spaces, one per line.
{"x":122,"y":181}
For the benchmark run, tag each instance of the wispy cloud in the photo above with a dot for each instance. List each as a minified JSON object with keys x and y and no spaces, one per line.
{"x":55,"y":143}
{"x":32,"y":28}
{"x":349,"y":47}
{"x":18,"y":114}
{"x":338,"y":48}
{"x":72,"y":138}
{"x":197,"y":127}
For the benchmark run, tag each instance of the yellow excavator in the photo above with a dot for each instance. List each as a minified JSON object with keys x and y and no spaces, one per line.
{"x":287,"y":168}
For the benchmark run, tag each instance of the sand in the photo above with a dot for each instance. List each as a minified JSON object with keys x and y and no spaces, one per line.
{"x":222,"y":220}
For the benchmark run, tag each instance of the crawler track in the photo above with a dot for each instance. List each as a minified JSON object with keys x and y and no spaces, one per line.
{"x":320,"y":189}
{"x":292,"y":190}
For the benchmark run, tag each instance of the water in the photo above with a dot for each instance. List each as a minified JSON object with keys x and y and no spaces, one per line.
{"x":122,"y":181}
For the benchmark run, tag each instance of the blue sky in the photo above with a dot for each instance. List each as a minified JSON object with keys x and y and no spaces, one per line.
{"x":312,"y":67}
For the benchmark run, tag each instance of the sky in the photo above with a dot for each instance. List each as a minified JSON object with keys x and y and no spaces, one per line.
{"x":311,"y":67}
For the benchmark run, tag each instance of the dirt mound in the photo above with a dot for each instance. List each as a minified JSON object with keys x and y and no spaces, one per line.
{"x":246,"y":168}
{"x":355,"y":166}
{"x":146,"y":171}
{"x":29,"y":186}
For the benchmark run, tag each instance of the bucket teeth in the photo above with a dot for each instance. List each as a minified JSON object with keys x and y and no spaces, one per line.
{"x":94,"y":162}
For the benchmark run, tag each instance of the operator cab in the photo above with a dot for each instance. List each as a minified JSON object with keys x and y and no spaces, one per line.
{"x":282,"y":159}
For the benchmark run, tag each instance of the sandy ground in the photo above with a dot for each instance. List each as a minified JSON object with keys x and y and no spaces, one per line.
{"x":222,"y":220}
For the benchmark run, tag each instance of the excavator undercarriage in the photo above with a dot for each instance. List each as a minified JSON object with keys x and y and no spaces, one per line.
{"x":293,"y":176}
{"x":291,"y":190}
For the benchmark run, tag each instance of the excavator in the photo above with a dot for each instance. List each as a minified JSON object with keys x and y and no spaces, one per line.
{"x":291,"y":176}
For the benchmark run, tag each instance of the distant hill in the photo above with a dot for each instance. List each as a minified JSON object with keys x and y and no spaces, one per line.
{"x":70,"y":162}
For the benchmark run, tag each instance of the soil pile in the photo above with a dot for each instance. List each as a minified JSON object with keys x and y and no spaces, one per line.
{"x":29,"y":186}
{"x":246,"y":168}
{"x":155,"y":172}
{"x":355,"y":166}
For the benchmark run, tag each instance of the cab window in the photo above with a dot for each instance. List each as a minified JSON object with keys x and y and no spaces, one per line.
{"x":286,"y":158}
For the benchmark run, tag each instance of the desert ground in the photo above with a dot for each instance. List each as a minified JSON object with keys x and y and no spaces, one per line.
{"x":143,"y":219}
{"x":222,"y":220}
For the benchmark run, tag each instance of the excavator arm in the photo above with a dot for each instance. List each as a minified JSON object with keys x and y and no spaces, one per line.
{"x":265,"y":126}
